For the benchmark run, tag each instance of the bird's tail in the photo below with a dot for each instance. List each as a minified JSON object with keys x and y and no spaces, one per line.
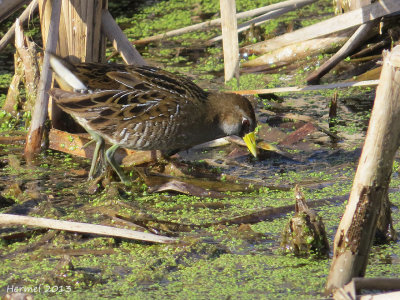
{"x":64,"y":76}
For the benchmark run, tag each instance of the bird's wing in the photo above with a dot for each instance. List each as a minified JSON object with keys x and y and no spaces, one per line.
{"x":118,"y":106}
{"x":140,"y":77}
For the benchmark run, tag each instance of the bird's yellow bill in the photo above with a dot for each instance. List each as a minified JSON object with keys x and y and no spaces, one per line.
{"x":250,"y":141}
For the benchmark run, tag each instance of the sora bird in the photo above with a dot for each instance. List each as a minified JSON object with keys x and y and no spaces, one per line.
{"x":146,"y":108}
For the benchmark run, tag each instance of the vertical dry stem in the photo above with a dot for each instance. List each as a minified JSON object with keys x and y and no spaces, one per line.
{"x":229,"y":38}
{"x":357,"y":228}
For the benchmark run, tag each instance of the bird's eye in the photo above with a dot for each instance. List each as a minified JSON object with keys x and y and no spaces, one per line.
{"x":245,"y":126}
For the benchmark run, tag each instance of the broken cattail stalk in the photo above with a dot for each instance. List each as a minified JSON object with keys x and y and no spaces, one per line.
{"x":333,"y":113}
{"x":230,"y":39}
{"x":335,"y":24}
{"x":357,"y":228}
{"x":297,"y":51}
{"x":356,"y":39}
{"x":13,"y":93}
{"x":8,"y":7}
{"x":28,"y":54}
{"x":120,"y":42}
{"x":34,"y":136}
{"x":28,"y":12}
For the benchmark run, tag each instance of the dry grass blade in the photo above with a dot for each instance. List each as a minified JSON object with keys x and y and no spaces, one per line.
{"x":309,"y":87}
{"x":9,"y":219}
{"x":217,"y":22}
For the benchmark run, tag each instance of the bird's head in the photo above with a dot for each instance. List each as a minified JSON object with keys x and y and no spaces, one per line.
{"x":238,"y":118}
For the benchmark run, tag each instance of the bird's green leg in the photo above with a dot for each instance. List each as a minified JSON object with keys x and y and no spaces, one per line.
{"x":110,"y":158}
{"x":88,"y":143}
{"x":99,"y":147}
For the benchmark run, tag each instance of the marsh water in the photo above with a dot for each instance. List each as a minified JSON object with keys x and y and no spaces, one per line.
{"x":229,"y":238}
